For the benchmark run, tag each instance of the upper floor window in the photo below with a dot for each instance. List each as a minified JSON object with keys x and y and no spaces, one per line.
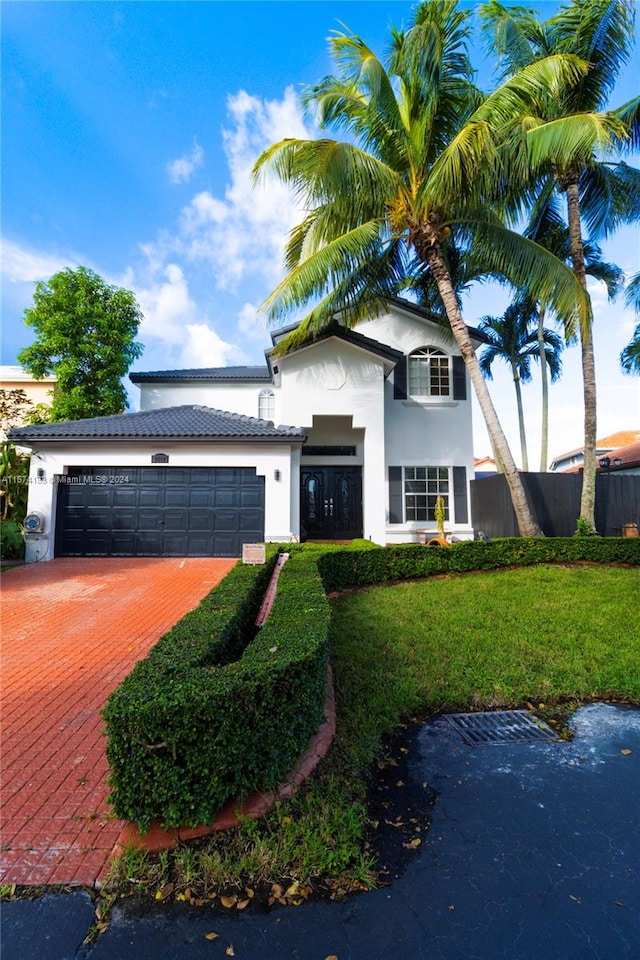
{"x":266,"y":404}
{"x":429,"y":374}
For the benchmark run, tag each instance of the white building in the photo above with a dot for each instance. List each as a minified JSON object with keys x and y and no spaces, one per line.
{"x":378,"y":425}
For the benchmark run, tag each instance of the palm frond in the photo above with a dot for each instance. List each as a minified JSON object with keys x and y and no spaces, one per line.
{"x":360,"y":293}
{"x":630,"y":356}
{"x":513,"y":35}
{"x":629,"y":113}
{"x":632,"y":293}
{"x":325,"y":269}
{"x":609,"y":197}
{"x":574,"y":138}
{"x":473,"y":159}
{"x":527,"y":265}
{"x":600,"y":31}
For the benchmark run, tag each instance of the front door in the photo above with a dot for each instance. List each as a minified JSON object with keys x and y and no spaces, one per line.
{"x":331,"y":503}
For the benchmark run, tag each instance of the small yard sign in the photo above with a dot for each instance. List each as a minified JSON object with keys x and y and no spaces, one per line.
{"x":253,"y":553}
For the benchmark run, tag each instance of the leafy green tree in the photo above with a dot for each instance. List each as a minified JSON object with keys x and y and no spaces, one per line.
{"x":422,"y":162}
{"x":574,"y":144}
{"x":514,"y":338}
{"x":630,"y":356}
{"x":85,"y":335}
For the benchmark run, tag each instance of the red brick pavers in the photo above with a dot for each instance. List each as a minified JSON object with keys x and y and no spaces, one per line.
{"x":71,"y":630}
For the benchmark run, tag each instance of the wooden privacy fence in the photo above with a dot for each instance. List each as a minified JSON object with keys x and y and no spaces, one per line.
{"x":555,"y":502}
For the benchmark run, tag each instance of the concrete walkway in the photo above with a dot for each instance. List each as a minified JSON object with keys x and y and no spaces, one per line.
{"x":71,"y":630}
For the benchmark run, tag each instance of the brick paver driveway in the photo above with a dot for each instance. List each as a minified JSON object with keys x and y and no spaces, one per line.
{"x":71,"y":630}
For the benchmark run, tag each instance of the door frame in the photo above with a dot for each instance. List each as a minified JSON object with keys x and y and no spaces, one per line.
{"x":327,"y":526}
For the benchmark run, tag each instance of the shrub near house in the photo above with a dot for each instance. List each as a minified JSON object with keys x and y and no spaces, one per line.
{"x":217,"y":711}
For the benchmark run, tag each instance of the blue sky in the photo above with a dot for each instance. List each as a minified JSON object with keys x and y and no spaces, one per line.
{"x":129,"y":131}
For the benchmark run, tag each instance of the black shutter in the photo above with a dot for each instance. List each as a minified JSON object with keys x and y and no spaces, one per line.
{"x":395,"y":494}
{"x":460,"y":508}
{"x":400,"y":380}
{"x":459,"y":379}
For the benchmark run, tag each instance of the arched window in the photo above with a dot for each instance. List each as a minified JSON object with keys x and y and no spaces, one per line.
{"x":266,"y":404}
{"x":429,"y":373}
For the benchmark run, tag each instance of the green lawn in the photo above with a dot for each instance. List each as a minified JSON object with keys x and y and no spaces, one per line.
{"x":543,"y":634}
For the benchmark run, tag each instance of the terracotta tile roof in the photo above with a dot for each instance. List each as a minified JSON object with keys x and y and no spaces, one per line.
{"x":628,"y":455}
{"x":618,"y":439}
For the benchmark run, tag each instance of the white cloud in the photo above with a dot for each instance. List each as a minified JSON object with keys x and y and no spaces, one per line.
{"x":204,"y":348}
{"x":180,"y":170}
{"x":21,"y":264}
{"x":226,"y":240}
{"x":174,"y":327}
{"x":166,"y":305}
{"x":243,"y":233}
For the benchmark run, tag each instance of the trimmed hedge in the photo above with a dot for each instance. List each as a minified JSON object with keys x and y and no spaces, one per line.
{"x":216,"y":710}
{"x":219,"y":710}
{"x":345,"y":569}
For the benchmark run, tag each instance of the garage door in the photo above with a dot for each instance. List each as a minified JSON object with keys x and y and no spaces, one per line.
{"x":158,"y":512}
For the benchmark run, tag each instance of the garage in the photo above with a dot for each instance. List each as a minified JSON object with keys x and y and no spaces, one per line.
{"x":158,"y":511}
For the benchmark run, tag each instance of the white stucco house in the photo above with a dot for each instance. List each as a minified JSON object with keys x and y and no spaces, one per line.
{"x":377,"y":423}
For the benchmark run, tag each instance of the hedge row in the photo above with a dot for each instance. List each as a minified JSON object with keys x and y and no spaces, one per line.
{"x":345,"y":569}
{"x":217,"y":711}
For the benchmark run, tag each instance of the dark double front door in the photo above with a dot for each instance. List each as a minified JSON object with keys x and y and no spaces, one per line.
{"x":331,"y":503}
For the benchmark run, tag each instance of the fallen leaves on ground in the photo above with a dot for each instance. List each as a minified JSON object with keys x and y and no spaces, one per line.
{"x":295,"y":894}
{"x":413,"y":844}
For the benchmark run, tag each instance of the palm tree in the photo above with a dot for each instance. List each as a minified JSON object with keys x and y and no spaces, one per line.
{"x":566,"y":140}
{"x":630,"y":356}
{"x":408,"y":177}
{"x":513,"y":337}
{"x":547,"y":227}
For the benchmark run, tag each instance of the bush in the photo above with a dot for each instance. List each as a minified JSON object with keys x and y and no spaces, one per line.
{"x":11,"y":540}
{"x":345,"y":569}
{"x":217,"y":711}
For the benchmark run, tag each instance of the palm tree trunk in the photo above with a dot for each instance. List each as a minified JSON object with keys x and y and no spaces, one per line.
{"x":523,"y":434}
{"x":588,"y":499}
{"x":430,"y":252}
{"x":544,"y":374}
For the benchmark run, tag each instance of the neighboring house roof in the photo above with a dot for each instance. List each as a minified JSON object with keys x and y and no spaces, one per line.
{"x":248,"y":374}
{"x":485,"y":463}
{"x":180,"y":423}
{"x":603,"y":446}
{"x":20,"y":375}
{"x":628,"y":455}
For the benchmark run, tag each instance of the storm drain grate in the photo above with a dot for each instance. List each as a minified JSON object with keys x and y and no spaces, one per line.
{"x":500,"y":726}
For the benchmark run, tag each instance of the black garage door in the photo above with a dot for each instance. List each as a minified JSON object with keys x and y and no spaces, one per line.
{"x":158,"y":512}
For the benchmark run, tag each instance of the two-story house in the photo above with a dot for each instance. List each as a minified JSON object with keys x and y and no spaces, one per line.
{"x":377,"y":425}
